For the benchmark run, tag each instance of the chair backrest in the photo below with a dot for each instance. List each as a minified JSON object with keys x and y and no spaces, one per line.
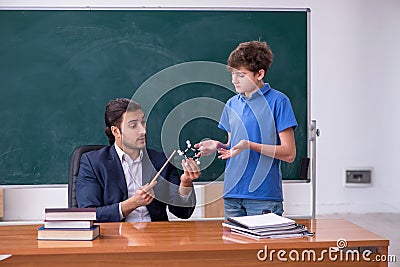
{"x":74,"y":162}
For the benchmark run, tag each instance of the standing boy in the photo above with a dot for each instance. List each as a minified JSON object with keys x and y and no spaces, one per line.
{"x":260,"y":124}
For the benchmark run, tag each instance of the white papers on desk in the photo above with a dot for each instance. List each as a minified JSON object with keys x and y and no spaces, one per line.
{"x":261,"y":221}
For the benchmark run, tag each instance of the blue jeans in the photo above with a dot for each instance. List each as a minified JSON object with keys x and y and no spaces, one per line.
{"x":235,"y":207}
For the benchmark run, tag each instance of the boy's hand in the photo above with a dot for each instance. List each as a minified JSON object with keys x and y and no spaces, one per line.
{"x":207,"y":147}
{"x":239,"y":147}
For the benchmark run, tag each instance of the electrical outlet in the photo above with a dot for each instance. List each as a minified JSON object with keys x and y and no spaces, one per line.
{"x":358,"y":177}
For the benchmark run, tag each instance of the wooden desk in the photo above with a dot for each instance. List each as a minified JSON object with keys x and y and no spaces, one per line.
{"x":190,"y":243}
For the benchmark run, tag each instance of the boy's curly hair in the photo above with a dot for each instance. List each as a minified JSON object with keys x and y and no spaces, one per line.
{"x":254,"y":56}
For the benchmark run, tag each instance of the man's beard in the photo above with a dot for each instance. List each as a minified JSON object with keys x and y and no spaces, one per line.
{"x":131,"y":146}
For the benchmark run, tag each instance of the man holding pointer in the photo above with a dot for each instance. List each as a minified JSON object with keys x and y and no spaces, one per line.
{"x":118,"y":180}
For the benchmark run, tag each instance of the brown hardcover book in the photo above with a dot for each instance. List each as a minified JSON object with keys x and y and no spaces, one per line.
{"x":66,"y":214}
{"x":69,"y":234}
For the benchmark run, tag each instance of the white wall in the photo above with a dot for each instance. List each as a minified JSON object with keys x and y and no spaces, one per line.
{"x":355,"y":88}
{"x":27,"y":203}
{"x":355,"y":64}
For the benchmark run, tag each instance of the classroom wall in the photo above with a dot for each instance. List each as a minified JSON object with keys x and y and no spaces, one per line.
{"x":355,"y":65}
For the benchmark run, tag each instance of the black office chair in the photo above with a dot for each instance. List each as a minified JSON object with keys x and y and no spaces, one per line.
{"x":74,"y":169}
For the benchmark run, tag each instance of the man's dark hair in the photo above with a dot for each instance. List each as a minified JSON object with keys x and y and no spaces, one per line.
{"x":254,"y":56}
{"x":113,"y":114}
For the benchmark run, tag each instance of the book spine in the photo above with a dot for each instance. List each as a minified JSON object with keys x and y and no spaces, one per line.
{"x":49,"y":210}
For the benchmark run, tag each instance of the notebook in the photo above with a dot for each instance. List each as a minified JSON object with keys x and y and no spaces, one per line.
{"x":261,"y":221}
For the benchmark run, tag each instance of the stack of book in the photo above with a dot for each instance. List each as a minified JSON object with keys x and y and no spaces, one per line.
{"x":265,"y":226}
{"x":69,"y":224}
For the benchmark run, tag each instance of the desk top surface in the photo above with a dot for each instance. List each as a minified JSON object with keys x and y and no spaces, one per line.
{"x":181,"y":236}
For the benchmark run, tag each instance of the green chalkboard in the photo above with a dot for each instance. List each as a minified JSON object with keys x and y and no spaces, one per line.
{"x":58,"y":70}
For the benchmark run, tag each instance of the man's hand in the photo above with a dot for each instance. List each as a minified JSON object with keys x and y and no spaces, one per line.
{"x":145,"y":194}
{"x":191,"y":171}
{"x":142,"y":197}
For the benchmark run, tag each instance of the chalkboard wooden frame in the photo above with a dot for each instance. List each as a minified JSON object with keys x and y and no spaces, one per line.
{"x":33,"y":149}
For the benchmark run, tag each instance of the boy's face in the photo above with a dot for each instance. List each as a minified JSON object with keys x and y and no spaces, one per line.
{"x":246,"y":81}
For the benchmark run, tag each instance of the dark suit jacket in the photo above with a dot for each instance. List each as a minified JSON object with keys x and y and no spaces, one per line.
{"x":101,"y":184}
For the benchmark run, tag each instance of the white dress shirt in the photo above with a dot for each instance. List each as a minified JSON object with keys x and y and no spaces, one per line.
{"x":133,"y":177}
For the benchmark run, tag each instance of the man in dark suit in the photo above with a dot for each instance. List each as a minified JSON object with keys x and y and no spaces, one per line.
{"x":117,"y":179}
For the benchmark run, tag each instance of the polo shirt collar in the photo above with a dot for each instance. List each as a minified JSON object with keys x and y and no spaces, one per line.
{"x":260,"y":92}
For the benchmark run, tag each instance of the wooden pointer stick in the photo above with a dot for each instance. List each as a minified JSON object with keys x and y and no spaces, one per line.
{"x":162,"y":168}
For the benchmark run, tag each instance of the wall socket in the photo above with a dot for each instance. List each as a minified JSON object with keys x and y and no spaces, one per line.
{"x":358,"y":177}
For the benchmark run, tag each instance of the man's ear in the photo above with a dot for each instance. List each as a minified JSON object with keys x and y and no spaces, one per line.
{"x":115,"y":131}
{"x":260,"y":75}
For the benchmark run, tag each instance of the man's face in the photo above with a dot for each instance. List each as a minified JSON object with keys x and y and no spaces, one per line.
{"x":133,"y":128}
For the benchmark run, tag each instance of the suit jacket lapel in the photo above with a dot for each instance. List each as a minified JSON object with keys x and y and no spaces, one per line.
{"x":148,"y":171}
{"x":117,"y":173}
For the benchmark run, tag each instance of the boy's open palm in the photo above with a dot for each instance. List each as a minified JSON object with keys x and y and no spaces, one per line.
{"x":235,"y":150}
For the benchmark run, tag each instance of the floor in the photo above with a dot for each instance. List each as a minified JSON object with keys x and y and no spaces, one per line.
{"x":384,"y":224}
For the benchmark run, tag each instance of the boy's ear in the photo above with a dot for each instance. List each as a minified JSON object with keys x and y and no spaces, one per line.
{"x":261,"y":75}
